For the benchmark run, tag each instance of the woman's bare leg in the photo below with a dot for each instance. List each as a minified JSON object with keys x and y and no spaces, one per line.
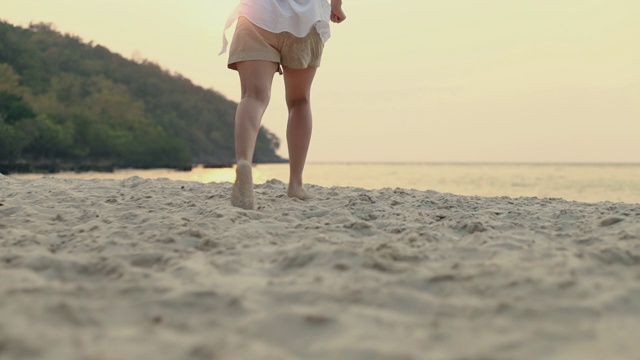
{"x":255,"y":83}
{"x":298,"y":93}
{"x":255,"y":87}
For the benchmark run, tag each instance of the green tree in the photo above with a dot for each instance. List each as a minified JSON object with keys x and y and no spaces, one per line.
{"x":14,"y":108}
{"x":46,"y":138}
{"x":12,"y":141}
{"x":9,"y":79}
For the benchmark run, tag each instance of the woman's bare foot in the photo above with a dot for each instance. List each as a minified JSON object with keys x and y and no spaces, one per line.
{"x":299,"y":193}
{"x":242,"y":192}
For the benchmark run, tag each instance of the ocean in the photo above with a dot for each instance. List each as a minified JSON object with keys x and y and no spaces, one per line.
{"x":577,"y":182}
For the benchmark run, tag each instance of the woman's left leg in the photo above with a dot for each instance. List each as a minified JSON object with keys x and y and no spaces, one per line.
{"x":255,"y":86}
{"x":255,"y":82}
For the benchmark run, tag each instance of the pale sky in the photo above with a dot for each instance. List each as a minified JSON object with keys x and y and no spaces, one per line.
{"x":415,"y":80}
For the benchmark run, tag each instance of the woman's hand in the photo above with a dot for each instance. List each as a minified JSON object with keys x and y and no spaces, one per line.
{"x":337,"y":15}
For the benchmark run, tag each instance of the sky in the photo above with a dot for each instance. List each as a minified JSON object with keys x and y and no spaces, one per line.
{"x":415,"y":80}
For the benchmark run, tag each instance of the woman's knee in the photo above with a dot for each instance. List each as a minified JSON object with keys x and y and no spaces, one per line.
{"x":258,"y":94}
{"x":298,"y":101}
{"x":298,"y":86}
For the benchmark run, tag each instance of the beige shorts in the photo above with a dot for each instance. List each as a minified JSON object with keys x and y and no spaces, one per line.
{"x":251,"y":42}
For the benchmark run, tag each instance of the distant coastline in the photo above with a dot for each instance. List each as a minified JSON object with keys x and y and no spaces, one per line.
{"x":54,"y":167}
{"x":586,"y":183}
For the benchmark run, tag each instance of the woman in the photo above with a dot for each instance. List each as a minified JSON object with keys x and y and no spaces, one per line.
{"x":285,"y":36}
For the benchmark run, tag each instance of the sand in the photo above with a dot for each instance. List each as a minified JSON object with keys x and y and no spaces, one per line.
{"x":160,"y":269}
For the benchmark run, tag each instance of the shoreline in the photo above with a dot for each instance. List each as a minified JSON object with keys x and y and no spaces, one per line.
{"x":581,"y":183}
{"x":58,"y":167}
{"x":55,"y":167}
{"x":169,"y":269}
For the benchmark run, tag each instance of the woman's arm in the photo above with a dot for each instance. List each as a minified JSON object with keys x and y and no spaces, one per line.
{"x":337,"y":15}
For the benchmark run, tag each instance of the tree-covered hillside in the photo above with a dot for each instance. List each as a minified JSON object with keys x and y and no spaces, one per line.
{"x":63,"y":101}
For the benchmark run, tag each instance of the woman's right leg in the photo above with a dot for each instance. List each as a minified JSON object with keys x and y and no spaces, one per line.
{"x":255,"y":84}
{"x":298,"y":94}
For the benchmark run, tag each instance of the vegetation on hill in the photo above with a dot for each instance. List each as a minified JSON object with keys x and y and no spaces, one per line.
{"x":63,"y":101}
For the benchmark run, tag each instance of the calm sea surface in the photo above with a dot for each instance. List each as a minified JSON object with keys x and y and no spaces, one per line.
{"x":588,"y":183}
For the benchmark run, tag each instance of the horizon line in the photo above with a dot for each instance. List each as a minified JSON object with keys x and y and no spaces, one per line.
{"x":564,"y":163}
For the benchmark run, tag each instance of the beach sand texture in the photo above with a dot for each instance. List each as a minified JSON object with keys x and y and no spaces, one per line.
{"x":160,"y":269}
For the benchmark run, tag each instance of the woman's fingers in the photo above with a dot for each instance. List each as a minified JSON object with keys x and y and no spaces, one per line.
{"x":337,"y":18}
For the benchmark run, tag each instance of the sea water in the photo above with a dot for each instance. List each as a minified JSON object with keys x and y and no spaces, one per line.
{"x":579,"y":182}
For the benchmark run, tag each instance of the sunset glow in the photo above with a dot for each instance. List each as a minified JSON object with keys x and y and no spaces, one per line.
{"x":464,"y":81}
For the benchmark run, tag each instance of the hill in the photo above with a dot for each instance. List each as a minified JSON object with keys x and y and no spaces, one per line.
{"x":67,"y":104}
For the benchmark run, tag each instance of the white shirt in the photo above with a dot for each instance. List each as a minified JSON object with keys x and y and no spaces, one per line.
{"x":276,"y":16}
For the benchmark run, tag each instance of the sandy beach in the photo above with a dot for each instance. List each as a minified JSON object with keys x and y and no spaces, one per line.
{"x":160,"y":269}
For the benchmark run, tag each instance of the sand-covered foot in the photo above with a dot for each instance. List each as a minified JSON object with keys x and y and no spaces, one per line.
{"x":242,"y":192}
{"x":300,"y":193}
